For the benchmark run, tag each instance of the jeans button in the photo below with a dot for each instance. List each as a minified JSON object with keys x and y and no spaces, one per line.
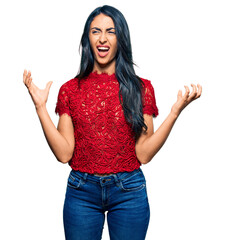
{"x":103,"y":180}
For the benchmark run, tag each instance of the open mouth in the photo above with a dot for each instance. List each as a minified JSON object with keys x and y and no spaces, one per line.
{"x":103,"y":51}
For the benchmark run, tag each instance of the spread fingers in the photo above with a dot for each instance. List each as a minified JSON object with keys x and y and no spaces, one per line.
{"x":187,"y":92}
{"x":27,"y":78}
{"x":199,"y":91}
{"x":193,"y":93}
{"x":24,"y":75}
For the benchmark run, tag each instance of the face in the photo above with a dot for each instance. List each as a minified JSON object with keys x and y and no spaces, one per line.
{"x":103,"y":42}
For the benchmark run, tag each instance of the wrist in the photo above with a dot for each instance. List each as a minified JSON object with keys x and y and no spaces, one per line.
{"x":40,"y":108}
{"x":174,"y":114}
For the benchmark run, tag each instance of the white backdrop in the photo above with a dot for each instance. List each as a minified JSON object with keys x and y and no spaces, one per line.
{"x":174,"y":43}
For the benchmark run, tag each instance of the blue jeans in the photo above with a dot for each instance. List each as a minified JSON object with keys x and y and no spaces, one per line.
{"x":123,"y":195}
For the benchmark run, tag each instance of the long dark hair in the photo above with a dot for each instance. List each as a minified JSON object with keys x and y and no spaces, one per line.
{"x":131,"y":86}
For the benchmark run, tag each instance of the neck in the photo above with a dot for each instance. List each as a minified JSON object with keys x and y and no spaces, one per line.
{"x":107,"y":68}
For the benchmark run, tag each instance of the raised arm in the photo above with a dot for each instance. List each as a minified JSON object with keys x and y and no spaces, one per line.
{"x":60,"y":139}
{"x":149,"y":143}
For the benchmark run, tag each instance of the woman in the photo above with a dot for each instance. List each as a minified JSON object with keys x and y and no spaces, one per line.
{"x":105,"y":132}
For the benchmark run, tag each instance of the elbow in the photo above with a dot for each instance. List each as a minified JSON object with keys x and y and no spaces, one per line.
{"x":142,"y":156}
{"x":143,"y":159}
{"x":143,"y":162}
{"x":65,"y":159}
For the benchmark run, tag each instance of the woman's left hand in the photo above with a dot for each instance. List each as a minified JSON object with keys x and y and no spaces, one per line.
{"x":183,"y":101}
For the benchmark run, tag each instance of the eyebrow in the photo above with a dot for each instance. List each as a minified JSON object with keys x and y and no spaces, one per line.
{"x":108,"y":29}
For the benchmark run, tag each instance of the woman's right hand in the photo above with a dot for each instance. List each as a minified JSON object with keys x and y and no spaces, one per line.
{"x":39,"y":96}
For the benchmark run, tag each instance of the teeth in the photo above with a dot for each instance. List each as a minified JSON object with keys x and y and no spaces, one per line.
{"x":103,"y":48}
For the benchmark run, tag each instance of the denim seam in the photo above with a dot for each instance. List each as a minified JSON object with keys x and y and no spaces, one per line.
{"x":81,"y":177}
{"x":72,"y":186}
{"x":76,"y":175}
{"x":133,"y":189}
{"x":129,"y":176}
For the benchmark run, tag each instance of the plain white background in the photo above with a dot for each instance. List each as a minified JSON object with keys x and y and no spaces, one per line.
{"x":175,"y":43}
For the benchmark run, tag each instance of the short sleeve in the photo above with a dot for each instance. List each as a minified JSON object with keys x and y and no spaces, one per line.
{"x":63,"y":103}
{"x":149,"y":101}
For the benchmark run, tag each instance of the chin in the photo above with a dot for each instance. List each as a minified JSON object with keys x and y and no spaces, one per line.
{"x":103,"y":62}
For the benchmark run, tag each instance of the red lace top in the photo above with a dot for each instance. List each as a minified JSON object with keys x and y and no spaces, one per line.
{"x":104,"y":140}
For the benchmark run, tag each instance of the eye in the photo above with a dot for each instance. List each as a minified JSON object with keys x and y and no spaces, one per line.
{"x":95,"y":32}
{"x":112,"y":32}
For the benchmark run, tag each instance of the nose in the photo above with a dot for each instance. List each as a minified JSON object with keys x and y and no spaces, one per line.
{"x":102,"y":38}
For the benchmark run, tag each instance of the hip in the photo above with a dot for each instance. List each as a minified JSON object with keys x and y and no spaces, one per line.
{"x":123,"y":181}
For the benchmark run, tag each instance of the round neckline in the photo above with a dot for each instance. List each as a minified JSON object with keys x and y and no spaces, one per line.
{"x":95,"y":74}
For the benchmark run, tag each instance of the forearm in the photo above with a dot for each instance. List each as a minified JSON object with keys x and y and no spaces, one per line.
{"x":56,"y":141}
{"x":146,"y":149}
{"x":153,"y":144}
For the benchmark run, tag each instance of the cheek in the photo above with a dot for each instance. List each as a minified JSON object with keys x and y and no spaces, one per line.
{"x":114,"y":44}
{"x":92,"y":47}
{"x":115,"y":49}
{"x":92,"y":42}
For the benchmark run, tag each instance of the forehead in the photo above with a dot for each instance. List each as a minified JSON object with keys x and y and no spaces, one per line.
{"x":102,"y":21}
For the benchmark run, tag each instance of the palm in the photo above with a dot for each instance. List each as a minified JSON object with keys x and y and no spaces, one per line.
{"x":39,"y":96}
{"x":183,"y":101}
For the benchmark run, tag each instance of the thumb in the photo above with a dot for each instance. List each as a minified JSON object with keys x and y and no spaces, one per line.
{"x":48,"y":85}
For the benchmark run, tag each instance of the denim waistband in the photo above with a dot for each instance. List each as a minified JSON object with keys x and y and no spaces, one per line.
{"x":114,"y":176}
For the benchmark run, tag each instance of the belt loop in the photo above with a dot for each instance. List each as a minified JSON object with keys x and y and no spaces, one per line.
{"x":84,"y":177}
{"x":116,"y":177}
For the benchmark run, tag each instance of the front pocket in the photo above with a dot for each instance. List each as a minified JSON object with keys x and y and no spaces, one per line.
{"x":74,"y":181}
{"x":135,"y":182}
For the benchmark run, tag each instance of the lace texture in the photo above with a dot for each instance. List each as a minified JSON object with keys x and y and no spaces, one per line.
{"x":104,"y":140}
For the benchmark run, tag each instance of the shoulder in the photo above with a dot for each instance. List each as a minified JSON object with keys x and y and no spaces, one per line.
{"x":69,"y":85}
{"x":146,"y":81}
{"x":149,"y":104}
{"x":147,"y":84}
